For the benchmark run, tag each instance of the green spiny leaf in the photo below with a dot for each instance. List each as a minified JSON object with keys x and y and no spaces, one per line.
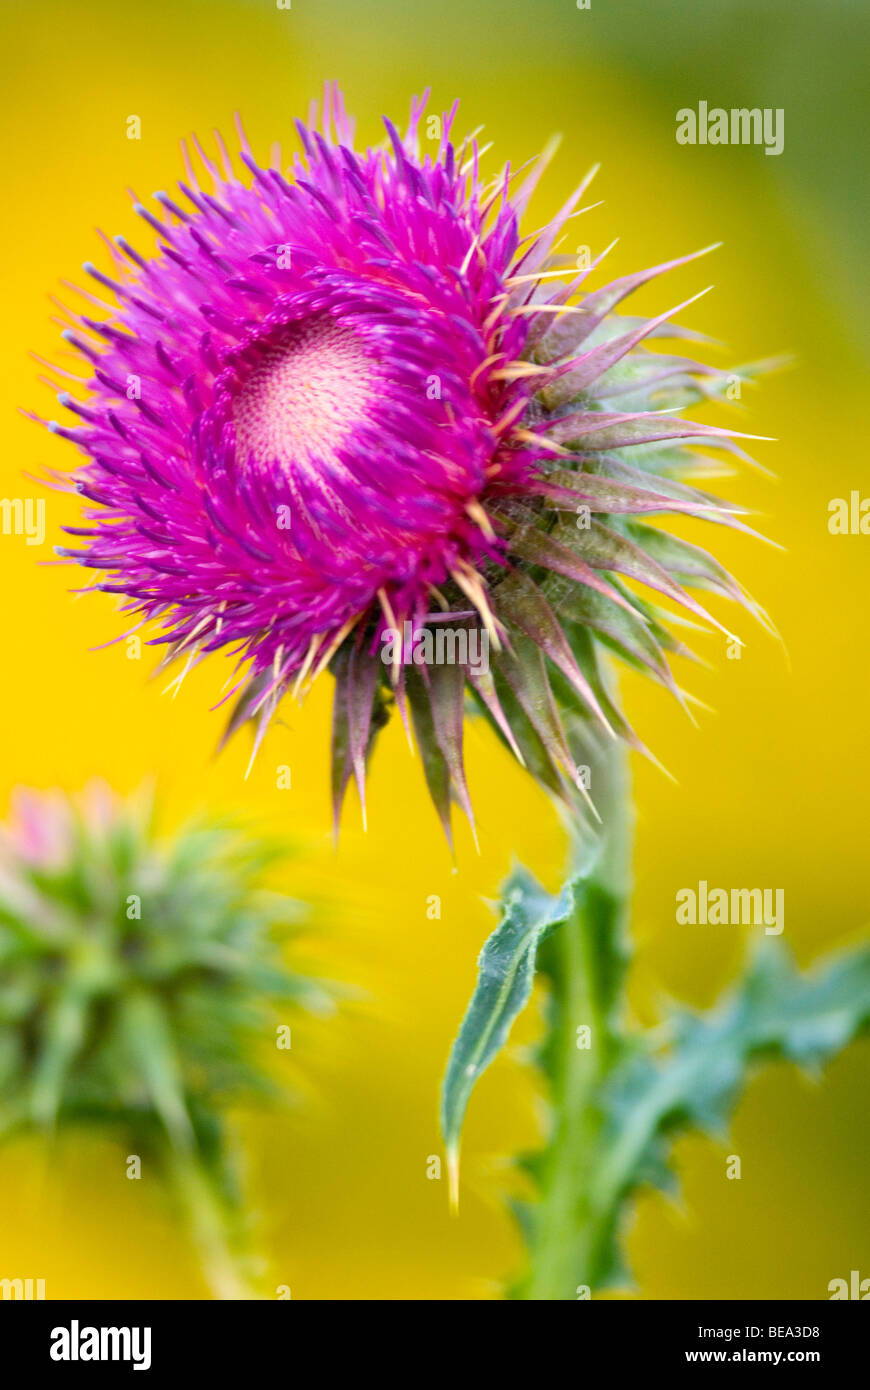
{"x":773,"y":1011}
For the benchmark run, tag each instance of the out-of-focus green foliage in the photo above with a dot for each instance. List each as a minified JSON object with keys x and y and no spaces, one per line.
{"x":139,"y":982}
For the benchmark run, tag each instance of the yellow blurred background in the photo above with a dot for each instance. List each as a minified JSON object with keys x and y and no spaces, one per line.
{"x":771,"y":790}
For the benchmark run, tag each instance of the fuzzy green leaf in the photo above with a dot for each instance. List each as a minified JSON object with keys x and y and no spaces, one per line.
{"x":506,"y":969}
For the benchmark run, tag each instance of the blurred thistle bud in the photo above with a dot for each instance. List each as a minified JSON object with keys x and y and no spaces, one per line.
{"x":140,"y":977}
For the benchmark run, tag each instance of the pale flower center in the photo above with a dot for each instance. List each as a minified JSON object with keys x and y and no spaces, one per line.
{"x":313,"y":385}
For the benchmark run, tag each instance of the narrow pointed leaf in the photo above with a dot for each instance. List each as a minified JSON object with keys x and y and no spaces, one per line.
{"x":620,"y":431}
{"x":64,"y":1038}
{"x":521,"y":601}
{"x":585,"y":370}
{"x":524,"y":670}
{"x":447,"y":700}
{"x":598,"y":306}
{"x":362,"y":680}
{"x":610,"y":550}
{"x":435,"y":767}
{"x":154,"y":1054}
{"x":506,"y":970}
{"x":340,"y":743}
{"x":538,"y":547}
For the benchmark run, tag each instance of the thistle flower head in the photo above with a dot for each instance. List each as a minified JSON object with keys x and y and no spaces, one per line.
{"x":348,"y":401}
{"x":135,"y":972}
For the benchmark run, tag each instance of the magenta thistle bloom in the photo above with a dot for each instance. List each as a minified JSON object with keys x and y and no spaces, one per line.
{"x":349,"y":399}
